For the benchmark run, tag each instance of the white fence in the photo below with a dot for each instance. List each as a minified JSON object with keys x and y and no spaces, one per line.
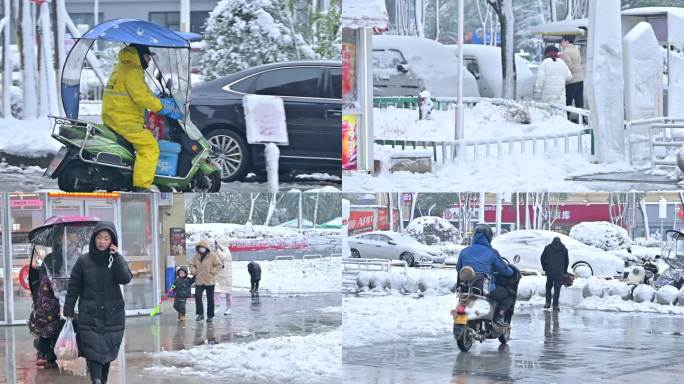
{"x":663,"y":137}
{"x":580,"y":141}
{"x":351,"y":267}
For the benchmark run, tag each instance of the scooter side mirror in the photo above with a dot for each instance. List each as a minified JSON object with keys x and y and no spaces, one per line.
{"x":169,"y":84}
{"x":516,"y":259}
{"x":657,"y":256}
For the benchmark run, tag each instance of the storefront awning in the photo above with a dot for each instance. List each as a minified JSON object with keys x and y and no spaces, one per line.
{"x":358,"y":14}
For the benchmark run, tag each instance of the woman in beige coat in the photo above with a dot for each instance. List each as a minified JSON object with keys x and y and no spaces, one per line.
{"x":224,"y":279}
{"x":204,"y":266}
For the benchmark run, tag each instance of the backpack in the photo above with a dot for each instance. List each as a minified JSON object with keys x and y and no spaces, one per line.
{"x":44,"y":320}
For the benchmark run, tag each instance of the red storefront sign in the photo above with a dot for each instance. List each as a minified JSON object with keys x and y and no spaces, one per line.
{"x":26,"y":203}
{"x":566,"y":213}
{"x":383,"y":219}
{"x":360,"y":222}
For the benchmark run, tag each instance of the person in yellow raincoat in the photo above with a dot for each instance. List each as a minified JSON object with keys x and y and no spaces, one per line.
{"x":126,"y":97}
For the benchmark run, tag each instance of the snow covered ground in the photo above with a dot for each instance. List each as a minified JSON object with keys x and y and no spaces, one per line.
{"x":291,"y":359}
{"x":515,"y":173}
{"x":292,"y":276}
{"x":482,"y":121}
{"x":30,"y":138}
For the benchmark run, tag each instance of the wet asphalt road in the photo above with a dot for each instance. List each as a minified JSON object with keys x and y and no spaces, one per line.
{"x":251,"y":320}
{"x":573,"y":346}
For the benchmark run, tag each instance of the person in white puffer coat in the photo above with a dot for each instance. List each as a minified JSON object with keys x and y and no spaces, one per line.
{"x":552,"y":76}
{"x":224,"y":279}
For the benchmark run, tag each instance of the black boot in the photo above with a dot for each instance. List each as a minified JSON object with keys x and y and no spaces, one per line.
{"x":200,"y":317}
{"x":500,"y":320}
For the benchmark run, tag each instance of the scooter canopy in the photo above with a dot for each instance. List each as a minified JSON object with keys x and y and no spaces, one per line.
{"x":133,"y":31}
{"x":124,"y":31}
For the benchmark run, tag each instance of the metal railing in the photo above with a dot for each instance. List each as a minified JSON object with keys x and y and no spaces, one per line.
{"x":279,"y":258}
{"x":580,"y":141}
{"x":665,"y":133}
{"x":313,"y":256}
{"x":351,"y":267}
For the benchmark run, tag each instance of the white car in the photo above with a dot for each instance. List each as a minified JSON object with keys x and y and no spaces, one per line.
{"x":585,"y":260}
{"x":402,"y":65}
{"x":484,"y":63}
{"x":393,"y":246}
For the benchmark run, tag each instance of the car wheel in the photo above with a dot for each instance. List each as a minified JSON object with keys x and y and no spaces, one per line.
{"x":355,"y":253}
{"x":465,"y":342}
{"x":231,"y":152}
{"x":582,"y":269}
{"x":408,"y":258}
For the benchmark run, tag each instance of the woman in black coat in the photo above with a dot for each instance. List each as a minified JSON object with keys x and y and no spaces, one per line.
{"x":95,"y":281}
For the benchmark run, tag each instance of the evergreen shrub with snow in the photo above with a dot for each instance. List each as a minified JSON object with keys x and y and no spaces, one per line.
{"x":433,"y":230}
{"x":242,"y":34}
{"x":602,"y":235}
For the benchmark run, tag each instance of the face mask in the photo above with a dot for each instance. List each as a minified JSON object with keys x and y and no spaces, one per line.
{"x":202,"y":250}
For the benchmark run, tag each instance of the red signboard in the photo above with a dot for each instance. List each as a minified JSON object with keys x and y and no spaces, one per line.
{"x":360,"y":222}
{"x":26,"y":203}
{"x":566,"y":213}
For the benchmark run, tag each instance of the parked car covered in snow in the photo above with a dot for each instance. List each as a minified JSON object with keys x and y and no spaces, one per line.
{"x":585,"y":260}
{"x":404,"y":65}
{"x":484,"y":63}
{"x":393,"y":246}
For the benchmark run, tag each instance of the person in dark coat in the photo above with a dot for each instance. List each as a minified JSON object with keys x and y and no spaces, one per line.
{"x":486,"y":260}
{"x":254,"y":270}
{"x":555,"y":262}
{"x":182,"y":291}
{"x":44,"y":342}
{"x":95,"y":282}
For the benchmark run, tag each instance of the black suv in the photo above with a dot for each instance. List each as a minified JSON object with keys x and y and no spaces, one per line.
{"x":311,"y":91}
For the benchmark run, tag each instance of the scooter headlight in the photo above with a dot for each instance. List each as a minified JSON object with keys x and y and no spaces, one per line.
{"x":478,"y":309}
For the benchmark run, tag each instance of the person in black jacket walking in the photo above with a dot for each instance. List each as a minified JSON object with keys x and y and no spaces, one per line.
{"x":95,"y":282}
{"x":555,"y":262}
{"x":254,"y":270}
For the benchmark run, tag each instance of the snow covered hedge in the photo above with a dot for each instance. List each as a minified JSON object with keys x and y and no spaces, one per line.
{"x":602,"y":235}
{"x":432,"y":230}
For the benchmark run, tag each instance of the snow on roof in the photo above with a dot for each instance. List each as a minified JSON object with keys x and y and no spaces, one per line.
{"x":650,"y":11}
{"x":568,"y":27}
{"x":364,"y":14}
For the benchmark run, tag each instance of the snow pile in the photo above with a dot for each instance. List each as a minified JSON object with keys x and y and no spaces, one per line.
{"x":432,"y":230}
{"x":616,"y":304}
{"x":649,"y":243}
{"x":666,"y":295}
{"x":643,"y":69}
{"x":291,"y":276}
{"x":31,"y":137}
{"x":602,"y":235}
{"x":643,"y":293}
{"x":293,"y":359}
{"x":482,"y":121}
{"x":680,"y":296}
{"x":412,"y":283}
{"x":637,"y":253}
{"x":511,"y":173}
{"x":373,"y":320}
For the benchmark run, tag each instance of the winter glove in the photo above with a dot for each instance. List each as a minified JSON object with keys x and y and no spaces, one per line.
{"x":170,"y":109}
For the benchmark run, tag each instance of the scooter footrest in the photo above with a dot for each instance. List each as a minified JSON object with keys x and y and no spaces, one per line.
{"x":109,"y":158}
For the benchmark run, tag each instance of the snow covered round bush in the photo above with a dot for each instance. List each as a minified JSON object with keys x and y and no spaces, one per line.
{"x":602,"y":235}
{"x":379,"y":280}
{"x":433,"y":230}
{"x":666,"y":295}
{"x":595,"y":287}
{"x":426,"y":282}
{"x":447,"y":284}
{"x":396,"y":281}
{"x":680,"y":297}
{"x":363,"y":279}
{"x":623,"y":290}
{"x":526,"y":289}
{"x":410,"y":285}
{"x":643,"y":294}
